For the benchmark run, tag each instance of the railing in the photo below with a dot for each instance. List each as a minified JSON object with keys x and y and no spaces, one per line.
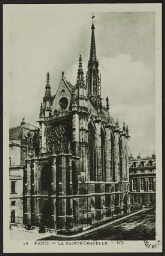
{"x":57,"y":115}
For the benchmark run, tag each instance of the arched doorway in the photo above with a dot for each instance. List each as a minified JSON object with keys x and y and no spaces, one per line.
{"x":12,"y":216}
{"x":47,"y":211}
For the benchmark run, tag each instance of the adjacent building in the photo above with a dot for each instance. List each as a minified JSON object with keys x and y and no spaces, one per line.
{"x":142,"y":172}
{"x":19,"y":148}
{"x":77,"y":172}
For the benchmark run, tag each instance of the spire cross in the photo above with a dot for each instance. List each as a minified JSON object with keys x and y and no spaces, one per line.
{"x":93,"y":16}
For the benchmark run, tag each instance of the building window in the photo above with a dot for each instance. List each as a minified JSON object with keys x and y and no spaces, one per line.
{"x":150,"y":162}
{"x":103,"y":156}
{"x":142,"y":164}
{"x":9,"y":161}
{"x":63,"y":103}
{"x":74,"y":179}
{"x":12,"y":216}
{"x":150,"y":184}
{"x":142,"y":181}
{"x":94,"y":87}
{"x":92,"y":152}
{"x":13,"y":186}
{"x":126,"y":166}
{"x":12,"y":203}
{"x":134,"y":164}
{"x":134,"y":184}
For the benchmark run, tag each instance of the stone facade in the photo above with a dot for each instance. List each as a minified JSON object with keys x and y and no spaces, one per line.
{"x":78,"y":172}
{"x":142,"y":173}
{"x":19,"y":149}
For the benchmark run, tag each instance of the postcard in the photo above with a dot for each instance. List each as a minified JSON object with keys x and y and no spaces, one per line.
{"x":82,"y":128}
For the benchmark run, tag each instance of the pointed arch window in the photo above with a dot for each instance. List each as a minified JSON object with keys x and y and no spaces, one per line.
{"x":74,"y":178}
{"x":113,"y":156}
{"x":94,"y":87}
{"x":92,"y":152}
{"x":46,"y":177}
{"x":103,"y":155}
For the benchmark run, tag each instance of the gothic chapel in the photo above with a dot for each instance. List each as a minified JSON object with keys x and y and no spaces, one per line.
{"x":78,"y":174}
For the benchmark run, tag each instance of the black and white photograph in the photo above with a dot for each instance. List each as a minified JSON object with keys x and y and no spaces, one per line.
{"x":82,"y":128}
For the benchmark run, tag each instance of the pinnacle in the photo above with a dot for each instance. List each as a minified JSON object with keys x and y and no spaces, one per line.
{"x":48,"y":77}
{"x":80,"y":69}
{"x":80,"y":73}
{"x":127,"y":130}
{"x":47,"y":80}
{"x":123,"y":126}
{"x":107,"y":103}
{"x":80,"y":61}
{"x":117,"y":123}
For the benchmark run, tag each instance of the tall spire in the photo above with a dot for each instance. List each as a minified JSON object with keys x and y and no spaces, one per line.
{"x":93,"y":45}
{"x":93,"y":75}
{"x":93,"y":58}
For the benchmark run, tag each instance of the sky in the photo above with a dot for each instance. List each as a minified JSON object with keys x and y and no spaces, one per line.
{"x":43,"y":39}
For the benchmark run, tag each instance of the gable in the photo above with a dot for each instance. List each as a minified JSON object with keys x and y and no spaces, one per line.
{"x":62,"y":98}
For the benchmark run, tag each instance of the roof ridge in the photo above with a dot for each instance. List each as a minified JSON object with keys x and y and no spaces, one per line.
{"x":15,"y":127}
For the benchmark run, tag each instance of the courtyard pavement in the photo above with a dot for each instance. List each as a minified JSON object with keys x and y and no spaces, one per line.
{"x":20,"y":233}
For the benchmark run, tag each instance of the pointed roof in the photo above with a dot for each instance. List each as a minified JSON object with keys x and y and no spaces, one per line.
{"x":93,"y":45}
{"x":68,"y":84}
{"x":93,"y":74}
